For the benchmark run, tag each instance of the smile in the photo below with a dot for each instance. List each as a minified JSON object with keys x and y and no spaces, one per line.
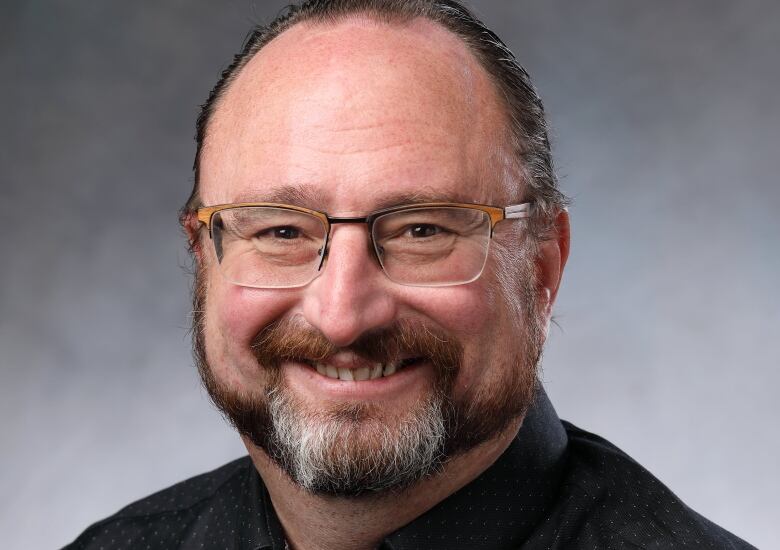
{"x":348,"y":367}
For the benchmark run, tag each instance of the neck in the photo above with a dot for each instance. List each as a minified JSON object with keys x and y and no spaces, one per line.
{"x":314,"y":522}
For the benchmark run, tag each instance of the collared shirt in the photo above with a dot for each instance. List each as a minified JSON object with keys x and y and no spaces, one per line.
{"x":555,"y":487}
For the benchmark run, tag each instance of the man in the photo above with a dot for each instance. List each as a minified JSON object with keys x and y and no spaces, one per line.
{"x":379,"y":240}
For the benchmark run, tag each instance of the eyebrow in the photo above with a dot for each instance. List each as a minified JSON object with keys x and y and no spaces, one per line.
{"x":310,"y":196}
{"x":302,"y":195}
{"x":420,"y":196}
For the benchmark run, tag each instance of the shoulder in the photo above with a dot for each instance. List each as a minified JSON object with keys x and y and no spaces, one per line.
{"x":608,"y":500}
{"x":163,"y":518}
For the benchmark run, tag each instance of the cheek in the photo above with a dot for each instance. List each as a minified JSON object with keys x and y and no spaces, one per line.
{"x":461,"y":310}
{"x":233,"y":317}
{"x":466,"y":312}
{"x":480,"y":315}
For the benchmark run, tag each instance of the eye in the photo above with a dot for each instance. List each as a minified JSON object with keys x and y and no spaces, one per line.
{"x":286,"y":232}
{"x":424,"y":230}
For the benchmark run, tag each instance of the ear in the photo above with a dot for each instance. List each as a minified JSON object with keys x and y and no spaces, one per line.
{"x":193,"y":228}
{"x":551,"y":259}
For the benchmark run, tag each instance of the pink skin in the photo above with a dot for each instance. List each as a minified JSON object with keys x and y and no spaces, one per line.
{"x":419,"y":127}
{"x":352,"y":114}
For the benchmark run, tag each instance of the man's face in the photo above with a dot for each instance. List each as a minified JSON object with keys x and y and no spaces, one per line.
{"x":347,"y":119}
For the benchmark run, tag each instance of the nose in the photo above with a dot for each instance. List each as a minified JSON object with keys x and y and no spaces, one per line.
{"x":352,"y":295}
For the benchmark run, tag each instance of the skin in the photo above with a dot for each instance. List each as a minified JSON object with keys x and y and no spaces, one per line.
{"x":351,"y":117}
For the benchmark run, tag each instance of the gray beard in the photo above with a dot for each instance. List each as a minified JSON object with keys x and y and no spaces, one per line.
{"x":349,"y":453}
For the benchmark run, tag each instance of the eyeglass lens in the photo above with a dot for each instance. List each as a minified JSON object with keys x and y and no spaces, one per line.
{"x":432,"y":246}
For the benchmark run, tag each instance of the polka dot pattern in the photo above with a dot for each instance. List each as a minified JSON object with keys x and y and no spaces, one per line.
{"x":556,"y":487}
{"x":222,"y":509}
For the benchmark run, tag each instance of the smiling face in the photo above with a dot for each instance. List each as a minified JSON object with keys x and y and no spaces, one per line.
{"x":354,"y":378}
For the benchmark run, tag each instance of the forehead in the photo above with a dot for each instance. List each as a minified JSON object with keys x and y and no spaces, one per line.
{"x":356,"y":111}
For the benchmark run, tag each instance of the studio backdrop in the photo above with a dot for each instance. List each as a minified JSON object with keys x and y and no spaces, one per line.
{"x":666,"y":134}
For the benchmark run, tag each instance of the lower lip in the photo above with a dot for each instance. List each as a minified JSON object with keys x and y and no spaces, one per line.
{"x":299,"y":374}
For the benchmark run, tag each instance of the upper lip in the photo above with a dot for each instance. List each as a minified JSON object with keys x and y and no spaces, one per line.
{"x":352,"y":361}
{"x":345,"y":360}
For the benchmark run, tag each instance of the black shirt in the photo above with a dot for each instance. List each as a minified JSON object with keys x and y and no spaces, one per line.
{"x":555,"y":487}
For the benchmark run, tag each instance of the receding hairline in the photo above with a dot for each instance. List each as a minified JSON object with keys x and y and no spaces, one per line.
{"x":462,"y":80}
{"x":462,"y":49}
{"x":527,"y":128}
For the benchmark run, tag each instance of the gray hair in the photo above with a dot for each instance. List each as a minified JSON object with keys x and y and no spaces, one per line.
{"x":526,"y":120}
{"x":323,"y":452}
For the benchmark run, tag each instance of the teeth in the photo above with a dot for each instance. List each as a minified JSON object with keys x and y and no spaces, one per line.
{"x":345,"y":374}
{"x":376,"y":371}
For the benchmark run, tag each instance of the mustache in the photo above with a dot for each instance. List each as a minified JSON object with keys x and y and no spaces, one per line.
{"x":294,"y":340}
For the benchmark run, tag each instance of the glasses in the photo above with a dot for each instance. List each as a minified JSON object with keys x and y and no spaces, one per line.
{"x":269,"y":245}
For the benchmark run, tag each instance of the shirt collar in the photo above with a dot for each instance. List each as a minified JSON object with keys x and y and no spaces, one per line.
{"x":259,"y":527}
{"x":499,"y":509}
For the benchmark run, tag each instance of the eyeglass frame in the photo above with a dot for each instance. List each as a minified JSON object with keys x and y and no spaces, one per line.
{"x":205,"y":215}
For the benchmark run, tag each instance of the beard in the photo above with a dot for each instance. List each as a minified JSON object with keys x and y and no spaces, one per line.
{"x":356,"y":449}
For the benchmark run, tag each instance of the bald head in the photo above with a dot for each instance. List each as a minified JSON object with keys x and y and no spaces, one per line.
{"x":356,"y":101}
{"x":376,"y":53}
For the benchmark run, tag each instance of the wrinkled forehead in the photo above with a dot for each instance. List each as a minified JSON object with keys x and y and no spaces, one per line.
{"x":356,"y":110}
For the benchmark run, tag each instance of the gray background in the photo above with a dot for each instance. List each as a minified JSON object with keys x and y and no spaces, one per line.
{"x":666,"y":126}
